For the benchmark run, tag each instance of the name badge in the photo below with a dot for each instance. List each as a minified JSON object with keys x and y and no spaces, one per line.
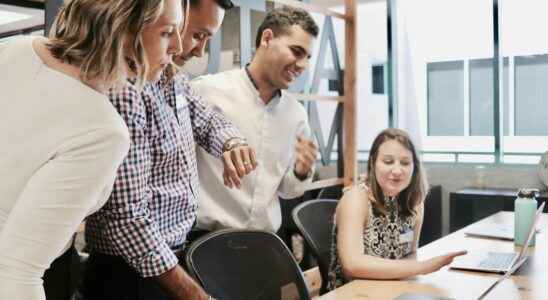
{"x":180,"y":101}
{"x":406,"y":237}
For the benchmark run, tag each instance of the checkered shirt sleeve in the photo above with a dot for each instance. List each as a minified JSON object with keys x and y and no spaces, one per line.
{"x":126,"y":221}
{"x":211,"y":128}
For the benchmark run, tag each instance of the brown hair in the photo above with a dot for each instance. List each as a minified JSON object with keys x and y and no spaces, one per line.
{"x":413,"y":194}
{"x":279,"y":20}
{"x":95,"y":34}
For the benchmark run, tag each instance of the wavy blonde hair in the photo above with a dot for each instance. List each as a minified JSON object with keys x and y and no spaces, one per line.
{"x":102,"y":37}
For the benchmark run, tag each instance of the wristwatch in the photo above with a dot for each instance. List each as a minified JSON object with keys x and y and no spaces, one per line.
{"x":233,"y":143}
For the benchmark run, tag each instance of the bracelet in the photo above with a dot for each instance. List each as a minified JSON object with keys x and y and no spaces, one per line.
{"x":232,"y":143}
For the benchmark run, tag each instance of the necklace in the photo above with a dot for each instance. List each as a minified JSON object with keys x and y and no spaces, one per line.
{"x":391,"y":205}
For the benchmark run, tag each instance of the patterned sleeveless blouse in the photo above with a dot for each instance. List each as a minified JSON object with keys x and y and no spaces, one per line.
{"x":381,"y":238}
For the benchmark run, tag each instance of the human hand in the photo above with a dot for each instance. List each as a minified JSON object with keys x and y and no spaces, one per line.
{"x":436,"y":263}
{"x":305,"y":156}
{"x":238,"y":162}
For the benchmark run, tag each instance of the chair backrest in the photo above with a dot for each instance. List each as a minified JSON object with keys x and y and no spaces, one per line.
{"x":331,"y":192}
{"x":246,"y":264}
{"x":314,"y":219}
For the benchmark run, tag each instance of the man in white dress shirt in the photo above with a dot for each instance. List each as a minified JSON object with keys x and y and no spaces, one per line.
{"x":273,"y":123}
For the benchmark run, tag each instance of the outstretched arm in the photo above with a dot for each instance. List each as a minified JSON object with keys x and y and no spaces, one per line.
{"x":352,"y":213}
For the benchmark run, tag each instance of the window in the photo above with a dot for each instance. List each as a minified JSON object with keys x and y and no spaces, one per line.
{"x":445,"y":98}
{"x":531,"y":95}
{"x":378,"y":81}
{"x":481,"y":97}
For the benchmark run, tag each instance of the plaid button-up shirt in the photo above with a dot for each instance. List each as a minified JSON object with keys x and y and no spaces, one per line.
{"x":153,"y":203}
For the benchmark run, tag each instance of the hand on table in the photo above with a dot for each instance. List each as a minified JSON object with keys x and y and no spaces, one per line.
{"x":436,"y":263}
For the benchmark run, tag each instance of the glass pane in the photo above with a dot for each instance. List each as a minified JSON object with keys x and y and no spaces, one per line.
{"x":445,"y":98}
{"x":531,"y":91}
{"x":378,"y":79}
{"x":372,"y":114}
{"x":523,"y":22}
{"x":436,"y":40}
{"x":481,"y":97}
{"x":372,"y":107}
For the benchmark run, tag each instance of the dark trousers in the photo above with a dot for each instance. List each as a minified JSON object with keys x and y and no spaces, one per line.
{"x":194,"y":235}
{"x":63,"y":275}
{"x":109,"y":277}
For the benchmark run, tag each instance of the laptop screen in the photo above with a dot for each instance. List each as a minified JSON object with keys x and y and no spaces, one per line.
{"x":521,"y":256}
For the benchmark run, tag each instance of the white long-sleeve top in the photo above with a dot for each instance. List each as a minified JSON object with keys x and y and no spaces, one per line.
{"x":272,"y":131}
{"x":61,"y":143}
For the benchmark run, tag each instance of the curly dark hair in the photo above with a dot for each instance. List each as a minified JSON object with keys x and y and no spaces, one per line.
{"x":279,"y":20}
{"x":224,"y":4}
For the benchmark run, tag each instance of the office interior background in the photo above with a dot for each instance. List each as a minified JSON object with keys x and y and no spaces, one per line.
{"x":466,"y":78}
{"x":437,"y":80}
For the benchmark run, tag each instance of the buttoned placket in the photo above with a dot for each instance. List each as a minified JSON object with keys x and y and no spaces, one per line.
{"x":257,"y":191}
{"x":266,"y":150}
{"x":176,"y":110}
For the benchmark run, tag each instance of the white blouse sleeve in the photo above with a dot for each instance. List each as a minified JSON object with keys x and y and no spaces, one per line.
{"x":54,"y":201}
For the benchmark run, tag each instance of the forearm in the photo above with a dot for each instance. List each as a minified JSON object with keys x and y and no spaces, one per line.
{"x":179,"y":285}
{"x":214,"y":136}
{"x":370,"y":267}
{"x":211,"y":129}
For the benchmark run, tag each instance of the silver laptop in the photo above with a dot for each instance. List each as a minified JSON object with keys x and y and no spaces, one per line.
{"x":497,"y":262}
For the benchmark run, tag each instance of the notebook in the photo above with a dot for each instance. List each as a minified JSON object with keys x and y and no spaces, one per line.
{"x":496,"y":231}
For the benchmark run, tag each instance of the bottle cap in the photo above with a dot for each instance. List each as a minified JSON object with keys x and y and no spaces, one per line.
{"x":528,"y":193}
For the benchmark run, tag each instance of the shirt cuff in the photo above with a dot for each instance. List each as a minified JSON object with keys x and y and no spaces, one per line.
{"x":224,"y":135}
{"x":300,"y":185}
{"x":156,"y":262}
{"x":307,"y":176}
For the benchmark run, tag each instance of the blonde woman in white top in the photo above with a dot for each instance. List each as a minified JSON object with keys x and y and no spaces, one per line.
{"x":62,"y":140}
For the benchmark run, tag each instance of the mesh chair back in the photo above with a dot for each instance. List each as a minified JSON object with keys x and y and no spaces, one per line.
{"x":246,"y":264}
{"x":314,"y":219}
{"x":331,"y":192}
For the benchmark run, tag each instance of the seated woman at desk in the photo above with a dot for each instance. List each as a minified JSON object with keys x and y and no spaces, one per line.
{"x":378,"y":222}
{"x":62,"y":140}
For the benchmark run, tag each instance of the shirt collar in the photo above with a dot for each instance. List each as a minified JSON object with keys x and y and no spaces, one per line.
{"x":278,"y":93}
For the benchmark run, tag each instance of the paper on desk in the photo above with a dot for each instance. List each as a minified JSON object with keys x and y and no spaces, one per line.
{"x":9,"y":17}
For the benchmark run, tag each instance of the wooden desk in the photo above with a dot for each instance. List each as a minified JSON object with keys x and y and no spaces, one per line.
{"x":529,"y":282}
{"x":33,"y":23}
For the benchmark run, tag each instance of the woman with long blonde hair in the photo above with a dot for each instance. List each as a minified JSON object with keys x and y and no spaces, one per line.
{"x":62,"y":139}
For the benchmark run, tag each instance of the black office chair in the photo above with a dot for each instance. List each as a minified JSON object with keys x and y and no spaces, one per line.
{"x":246,"y":264}
{"x":314,"y":219}
{"x":331,"y":192}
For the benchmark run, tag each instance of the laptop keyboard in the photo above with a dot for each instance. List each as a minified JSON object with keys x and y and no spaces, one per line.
{"x":497,"y":261}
